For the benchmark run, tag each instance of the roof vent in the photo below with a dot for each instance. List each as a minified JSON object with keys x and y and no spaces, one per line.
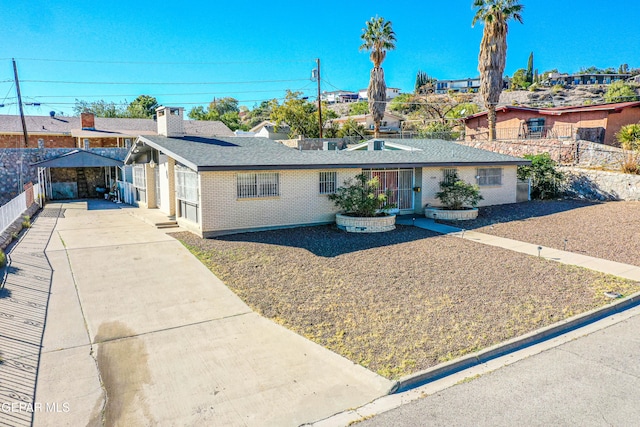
{"x":378,"y":145}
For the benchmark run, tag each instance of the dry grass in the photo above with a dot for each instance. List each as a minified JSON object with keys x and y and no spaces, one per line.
{"x":402,"y":301}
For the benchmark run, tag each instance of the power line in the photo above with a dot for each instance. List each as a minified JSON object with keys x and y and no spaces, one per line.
{"x":85,"y":61}
{"x":158,"y":94}
{"x":163,"y":83}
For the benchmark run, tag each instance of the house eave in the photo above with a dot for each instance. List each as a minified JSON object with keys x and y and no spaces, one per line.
{"x":221,"y":168}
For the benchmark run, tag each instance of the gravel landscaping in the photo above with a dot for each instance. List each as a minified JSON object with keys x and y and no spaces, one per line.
{"x":608,"y":230}
{"x":401,"y":301}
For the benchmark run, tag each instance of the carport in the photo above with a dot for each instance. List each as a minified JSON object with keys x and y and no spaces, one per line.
{"x":77,"y":174}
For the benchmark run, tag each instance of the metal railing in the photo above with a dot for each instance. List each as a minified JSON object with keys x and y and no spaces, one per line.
{"x":12,"y":210}
{"x":533,"y":132}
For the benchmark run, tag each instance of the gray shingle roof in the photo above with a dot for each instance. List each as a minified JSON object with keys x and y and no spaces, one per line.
{"x":65,"y":125}
{"x":246,"y":153}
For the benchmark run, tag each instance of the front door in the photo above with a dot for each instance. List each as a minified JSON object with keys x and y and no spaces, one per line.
{"x":399,"y":182}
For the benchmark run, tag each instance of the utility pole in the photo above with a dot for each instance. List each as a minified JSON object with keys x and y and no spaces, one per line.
{"x":319,"y":100}
{"x":24,"y":125}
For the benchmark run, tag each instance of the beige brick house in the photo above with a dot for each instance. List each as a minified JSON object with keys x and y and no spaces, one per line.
{"x":225,"y":185}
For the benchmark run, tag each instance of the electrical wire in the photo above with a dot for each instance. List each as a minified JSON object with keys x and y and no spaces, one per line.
{"x":162,"y":83}
{"x":86,"y":61}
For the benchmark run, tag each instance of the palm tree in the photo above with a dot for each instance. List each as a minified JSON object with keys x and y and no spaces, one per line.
{"x":378,"y":38}
{"x":493,"y":50}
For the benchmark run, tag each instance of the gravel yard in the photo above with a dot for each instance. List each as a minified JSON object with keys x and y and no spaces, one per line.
{"x":608,"y":230}
{"x":401,"y":301}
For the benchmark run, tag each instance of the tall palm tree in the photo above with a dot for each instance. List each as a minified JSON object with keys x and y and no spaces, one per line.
{"x":493,"y":50}
{"x":378,"y":38}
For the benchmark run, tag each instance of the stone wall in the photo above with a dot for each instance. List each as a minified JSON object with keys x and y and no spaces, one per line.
{"x":602,"y":185}
{"x":565,"y":152}
{"x":12,"y":160}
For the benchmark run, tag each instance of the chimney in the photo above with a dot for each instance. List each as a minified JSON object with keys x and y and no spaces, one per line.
{"x":170,"y":121}
{"x":88,"y":121}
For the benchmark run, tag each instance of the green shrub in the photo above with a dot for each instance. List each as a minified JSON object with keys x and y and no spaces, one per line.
{"x":557,"y":88}
{"x":26,"y":221}
{"x":3,"y":259}
{"x":546,"y":181}
{"x":358,"y":198}
{"x":629,"y":137}
{"x":455,"y":194}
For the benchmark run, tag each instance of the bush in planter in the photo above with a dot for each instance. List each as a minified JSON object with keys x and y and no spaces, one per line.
{"x":455,"y":194}
{"x":358,"y":197}
{"x":3,"y":259}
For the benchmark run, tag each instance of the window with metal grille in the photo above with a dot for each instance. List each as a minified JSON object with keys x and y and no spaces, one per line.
{"x":449,"y":175}
{"x":328,"y":182}
{"x":252,"y":185}
{"x":489,"y":176}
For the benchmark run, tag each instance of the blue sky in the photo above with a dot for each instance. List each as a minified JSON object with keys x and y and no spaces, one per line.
{"x":256,"y":50}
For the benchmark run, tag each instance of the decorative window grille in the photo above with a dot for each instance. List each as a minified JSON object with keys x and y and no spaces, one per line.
{"x":449,"y":175}
{"x":251,"y":185}
{"x":328,"y":182}
{"x":489,"y":176}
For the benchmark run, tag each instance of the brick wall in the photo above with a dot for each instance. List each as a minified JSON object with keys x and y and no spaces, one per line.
{"x":50,"y":141}
{"x":299,"y":202}
{"x":493,"y":195}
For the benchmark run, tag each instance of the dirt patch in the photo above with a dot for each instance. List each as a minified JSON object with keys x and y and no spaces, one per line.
{"x":124,"y":372}
{"x":609,"y":230}
{"x":401,"y":301}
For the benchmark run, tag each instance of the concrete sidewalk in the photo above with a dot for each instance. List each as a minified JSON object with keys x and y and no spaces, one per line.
{"x":626,"y":271}
{"x":139,"y":332}
{"x":24,"y":297}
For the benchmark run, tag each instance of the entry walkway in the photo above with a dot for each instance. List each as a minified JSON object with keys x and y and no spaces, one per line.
{"x":626,"y":271}
{"x":139,"y":332}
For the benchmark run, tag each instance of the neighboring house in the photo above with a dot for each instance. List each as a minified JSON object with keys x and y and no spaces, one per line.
{"x":89,"y":131}
{"x":390,"y":122}
{"x":268,"y":129}
{"x":552,"y":79}
{"x":461,"y":85}
{"x":392,"y":92}
{"x":596,"y":123}
{"x":224,"y":185}
{"x":339,"y":96}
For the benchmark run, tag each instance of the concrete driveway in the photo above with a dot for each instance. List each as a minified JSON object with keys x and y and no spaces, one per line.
{"x":139,"y":332}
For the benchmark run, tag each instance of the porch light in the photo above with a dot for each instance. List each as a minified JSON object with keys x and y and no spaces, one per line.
{"x":152,"y":164}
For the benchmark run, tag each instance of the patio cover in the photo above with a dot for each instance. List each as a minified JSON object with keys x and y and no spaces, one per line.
{"x":79,"y":159}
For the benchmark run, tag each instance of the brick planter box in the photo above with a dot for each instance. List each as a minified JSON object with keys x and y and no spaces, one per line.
{"x":376,"y":224}
{"x":451,"y":215}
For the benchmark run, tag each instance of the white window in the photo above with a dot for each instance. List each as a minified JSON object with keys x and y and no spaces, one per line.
{"x":252,"y":185}
{"x":489,"y":176}
{"x":449,"y":175}
{"x":187,"y":193}
{"x":328,"y":182}
{"x":139,"y":177}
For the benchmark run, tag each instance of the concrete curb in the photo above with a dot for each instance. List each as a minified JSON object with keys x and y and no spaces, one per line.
{"x":448,"y":368}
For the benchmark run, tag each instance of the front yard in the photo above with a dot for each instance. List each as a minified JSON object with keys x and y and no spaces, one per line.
{"x":608,"y":230}
{"x":401,"y":301}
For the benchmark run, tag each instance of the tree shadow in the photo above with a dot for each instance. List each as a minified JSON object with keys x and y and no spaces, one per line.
{"x":490,"y":215}
{"x":327,"y":241}
{"x":5,"y":293}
